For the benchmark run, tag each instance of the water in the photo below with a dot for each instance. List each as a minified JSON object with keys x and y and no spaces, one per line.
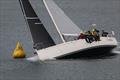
{"x":105,"y":13}
{"x":83,"y":69}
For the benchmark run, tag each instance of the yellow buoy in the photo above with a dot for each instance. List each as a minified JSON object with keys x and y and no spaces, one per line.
{"x":19,"y":51}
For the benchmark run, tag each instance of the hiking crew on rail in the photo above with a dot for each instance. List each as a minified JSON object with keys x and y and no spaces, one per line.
{"x":93,"y":35}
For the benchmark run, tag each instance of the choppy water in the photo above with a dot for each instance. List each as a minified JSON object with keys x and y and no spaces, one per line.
{"x":105,"y":13}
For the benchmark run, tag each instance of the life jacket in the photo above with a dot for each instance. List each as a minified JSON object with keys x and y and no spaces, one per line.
{"x":81,"y":36}
{"x":94,"y":33}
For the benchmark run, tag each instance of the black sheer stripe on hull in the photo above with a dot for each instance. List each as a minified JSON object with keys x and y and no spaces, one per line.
{"x":88,"y":53}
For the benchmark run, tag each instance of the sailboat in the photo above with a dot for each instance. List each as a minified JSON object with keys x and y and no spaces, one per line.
{"x":58,"y":38}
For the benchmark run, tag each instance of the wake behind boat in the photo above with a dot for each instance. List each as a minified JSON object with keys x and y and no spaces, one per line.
{"x":66,"y":40}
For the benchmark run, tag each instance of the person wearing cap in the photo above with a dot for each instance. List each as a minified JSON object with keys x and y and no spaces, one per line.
{"x":95,"y":33}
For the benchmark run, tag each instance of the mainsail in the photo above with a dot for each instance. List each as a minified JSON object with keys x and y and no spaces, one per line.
{"x":40,"y":36}
{"x":60,"y":19}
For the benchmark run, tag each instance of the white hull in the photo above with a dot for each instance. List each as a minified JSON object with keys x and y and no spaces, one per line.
{"x":72,"y":47}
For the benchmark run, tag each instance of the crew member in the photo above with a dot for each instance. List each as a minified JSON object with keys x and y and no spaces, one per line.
{"x":88,"y":37}
{"x":81,"y":36}
{"x":96,"y":35}
{"x":104,"y":34}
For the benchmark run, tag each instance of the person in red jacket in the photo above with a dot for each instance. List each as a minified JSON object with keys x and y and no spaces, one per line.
{"x":81,"y":36}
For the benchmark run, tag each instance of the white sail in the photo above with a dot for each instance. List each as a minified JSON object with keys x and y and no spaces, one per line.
{"x":60,"y":19}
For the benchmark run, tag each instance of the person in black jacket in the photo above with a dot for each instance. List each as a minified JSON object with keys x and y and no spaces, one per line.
{"x":104,"y":34}
{"x":88,"y":37}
